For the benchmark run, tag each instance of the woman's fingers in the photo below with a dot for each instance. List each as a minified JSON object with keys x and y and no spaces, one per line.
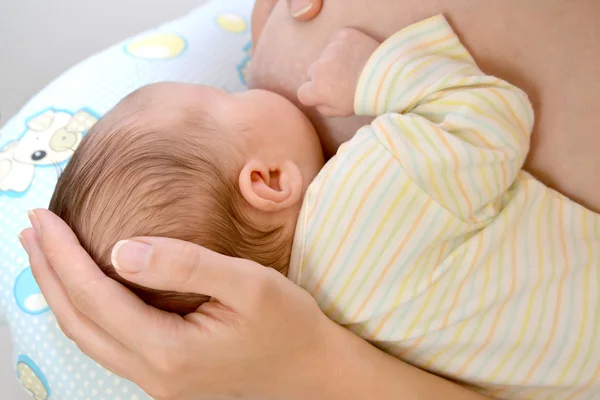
{"x":305,"y":10}
{"x":101,"y":299}
{"x":301,"y":10}
{"x":170,"y":264}
{"x":90,"y":338}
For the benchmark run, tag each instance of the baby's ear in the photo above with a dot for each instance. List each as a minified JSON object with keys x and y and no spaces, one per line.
{"x":271,"y":187}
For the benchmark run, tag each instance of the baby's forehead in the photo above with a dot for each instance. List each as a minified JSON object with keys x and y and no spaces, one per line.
{"x":165,"y":103}
{"x":171,"y":94}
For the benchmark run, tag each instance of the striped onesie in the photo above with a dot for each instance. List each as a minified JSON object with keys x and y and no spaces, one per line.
{"x":424,"y":236}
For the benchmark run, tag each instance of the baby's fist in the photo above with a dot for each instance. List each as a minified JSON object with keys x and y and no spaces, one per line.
{"x":332,"y":79}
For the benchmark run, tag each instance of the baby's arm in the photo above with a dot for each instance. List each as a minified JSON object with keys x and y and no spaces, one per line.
{"x":461,"y":135}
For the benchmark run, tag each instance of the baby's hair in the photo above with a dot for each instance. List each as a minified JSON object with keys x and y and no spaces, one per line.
{"x":128,"y":178}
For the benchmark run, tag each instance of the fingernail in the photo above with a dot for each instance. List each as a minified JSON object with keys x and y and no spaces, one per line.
{"x":131,"y":256}
{"x":300,"y":7}
{"x":23,"y":243}
{"x":35,"y":224}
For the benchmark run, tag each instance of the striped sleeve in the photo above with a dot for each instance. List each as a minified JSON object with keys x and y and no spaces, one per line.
{"x":461,"y":135}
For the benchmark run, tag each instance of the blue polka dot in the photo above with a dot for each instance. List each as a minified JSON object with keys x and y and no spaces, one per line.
{"x":28,"y":295}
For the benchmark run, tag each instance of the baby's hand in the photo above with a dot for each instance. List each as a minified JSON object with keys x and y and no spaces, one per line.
{"x":332,"y":79}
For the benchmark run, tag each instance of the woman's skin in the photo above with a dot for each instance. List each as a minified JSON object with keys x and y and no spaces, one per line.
{"x":549,"y":48}
{"x":264,"y":337}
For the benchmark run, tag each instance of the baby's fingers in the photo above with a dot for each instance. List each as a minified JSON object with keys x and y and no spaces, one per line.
{"x":308,"y":94}
{"x":330,"y":111}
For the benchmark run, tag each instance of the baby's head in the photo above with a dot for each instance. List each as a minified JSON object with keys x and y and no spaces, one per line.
{"x":190,"y":162}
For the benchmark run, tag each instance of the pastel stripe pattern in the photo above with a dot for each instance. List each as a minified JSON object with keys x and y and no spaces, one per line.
{"x":424,"y":236}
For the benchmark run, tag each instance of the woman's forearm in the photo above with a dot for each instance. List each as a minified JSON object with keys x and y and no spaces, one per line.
{"x":353,"y":369}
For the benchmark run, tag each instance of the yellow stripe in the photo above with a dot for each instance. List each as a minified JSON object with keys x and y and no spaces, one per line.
{"x":437,"y":93}
{"x":392,"y":84}
{"x":393,"y":209}
{"x":557,"y":309}
{"x":446,"y":319}
{"x":588,"y":385}
{"x":507,"y":106}
{"x":475,"y":333}
{"x":393,"y":259}
{"x":482,"y":139}
{"x":334,"y":202}
{"x":377,"y":55}
{"x":511,"y":291}
{"x":432,"y":285}
{"x":404,"y":55}
{"x":536,"y":288}
{"x":499,"y":260}
{"x":525,"y":328}
{"x":518,"y":139}
{"x":591,"y":350}
{"x":401,"y":291}
{"x":461,"y":188}
{"x":321,"y":190}
{"x":432,"y":175}
{"x":462,"y":103}
{"x":586,"y":304}
{"x":484,"y":155}
{"x":352,"y":221}
{"x":442,"y":297}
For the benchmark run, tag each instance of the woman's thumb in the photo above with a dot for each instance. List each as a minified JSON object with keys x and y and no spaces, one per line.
{"x":170,"y":264}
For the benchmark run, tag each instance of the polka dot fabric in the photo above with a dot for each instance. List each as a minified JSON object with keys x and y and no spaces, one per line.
{"x":211,"y":46}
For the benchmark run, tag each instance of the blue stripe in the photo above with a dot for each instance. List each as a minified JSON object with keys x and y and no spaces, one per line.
{"x":326,"y":199}
{"x":520,"y":299}
{"x":426,"y":236}
{"x":570,"y":310}
{"x":418,"y":35}
{"x":344,"y":266}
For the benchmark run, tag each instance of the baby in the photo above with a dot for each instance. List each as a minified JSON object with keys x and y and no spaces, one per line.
{"x":226,"y":171}
{"x":422,"y":235}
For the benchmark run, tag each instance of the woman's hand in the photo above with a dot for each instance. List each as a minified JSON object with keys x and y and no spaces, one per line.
{"x":301,"y":10}
{"x":262,"y":337}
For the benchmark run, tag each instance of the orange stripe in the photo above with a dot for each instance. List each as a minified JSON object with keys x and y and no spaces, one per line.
{"x":404,"y":54}
{"x":437,"y":262}
{"x":437,"y":93}
{"x":456,"y":163}
{"x":462,"y":283}
{"x":586,"y":302}
{"x":388,"y":138}
{"x":394,"y":257}
{"x":559,"y":295}
{"x":588,"y":385}
{"x":432,"y":291}
{"x":444,"y":324}
{"x":389,"y":315}
{"x":511,"y":111}
{"x":392,"y":85}
{"x":504,"y":177}
{"x":352,"y":221}
{"x":358,"y":265}
{"x":513,"y":284}
{"x":347,"y":177}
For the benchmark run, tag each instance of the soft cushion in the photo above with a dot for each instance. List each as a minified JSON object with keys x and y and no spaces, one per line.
{"x":211,"y":46}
